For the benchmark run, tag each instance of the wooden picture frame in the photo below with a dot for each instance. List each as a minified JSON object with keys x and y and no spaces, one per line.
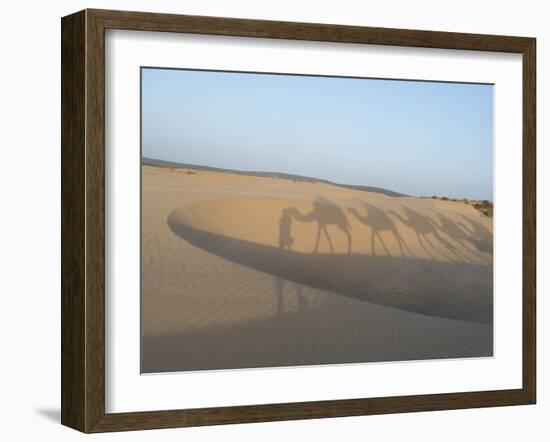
{"x":83,"y":220}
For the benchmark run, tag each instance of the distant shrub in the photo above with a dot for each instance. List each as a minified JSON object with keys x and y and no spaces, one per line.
{"x":444,"y":198}
{"x":434,"y":197}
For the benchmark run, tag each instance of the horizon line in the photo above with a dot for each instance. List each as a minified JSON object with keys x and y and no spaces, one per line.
{"x":285,"y":175}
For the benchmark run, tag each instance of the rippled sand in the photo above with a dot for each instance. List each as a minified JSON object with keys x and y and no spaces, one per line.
{"x":242,"y":271}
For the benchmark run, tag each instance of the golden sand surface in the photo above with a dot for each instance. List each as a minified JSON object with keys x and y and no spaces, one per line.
{"x":241,"y":271}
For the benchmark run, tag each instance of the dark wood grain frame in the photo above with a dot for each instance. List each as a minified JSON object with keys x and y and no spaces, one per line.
{"x":83,"y":220}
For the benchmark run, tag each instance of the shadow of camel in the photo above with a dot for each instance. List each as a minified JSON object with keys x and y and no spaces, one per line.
{"x":450,"y":290}
{"x":324,"y":213}
{"x":482,"y":237}
{"x":460,"y":233}
{"x":379,"y":221}
{"x":424,"y":227}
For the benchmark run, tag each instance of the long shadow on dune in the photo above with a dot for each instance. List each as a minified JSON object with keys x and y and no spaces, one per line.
{"x":449,"y":290}
{"x":301,"y":338}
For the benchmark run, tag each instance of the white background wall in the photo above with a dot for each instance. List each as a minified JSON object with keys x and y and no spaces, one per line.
{"x":30,"y":216}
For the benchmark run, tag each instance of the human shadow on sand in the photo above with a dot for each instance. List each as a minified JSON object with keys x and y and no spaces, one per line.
{"x":455,"y":290}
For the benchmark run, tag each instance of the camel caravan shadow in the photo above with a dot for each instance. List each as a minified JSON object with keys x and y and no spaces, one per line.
{"x":456,"y":288}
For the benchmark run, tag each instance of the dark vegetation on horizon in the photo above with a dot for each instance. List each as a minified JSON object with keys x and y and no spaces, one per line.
{"x":483,"y":206}
{"x":286,"y":176}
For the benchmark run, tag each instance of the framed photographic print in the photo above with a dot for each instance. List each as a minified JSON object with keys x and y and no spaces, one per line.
{"x":271,"y":220}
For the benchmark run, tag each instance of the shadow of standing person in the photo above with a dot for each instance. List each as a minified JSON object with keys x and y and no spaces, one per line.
{"x":285,"y":224}
{"x":285,"y":242}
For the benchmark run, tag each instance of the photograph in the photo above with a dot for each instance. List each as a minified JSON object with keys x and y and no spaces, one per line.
{"x":293,"y":220}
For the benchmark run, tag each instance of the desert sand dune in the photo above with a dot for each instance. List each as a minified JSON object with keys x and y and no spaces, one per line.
{"x":241,"y":271}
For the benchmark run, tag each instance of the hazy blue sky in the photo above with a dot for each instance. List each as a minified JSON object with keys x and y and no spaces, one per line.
{"x":419,"y":138}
